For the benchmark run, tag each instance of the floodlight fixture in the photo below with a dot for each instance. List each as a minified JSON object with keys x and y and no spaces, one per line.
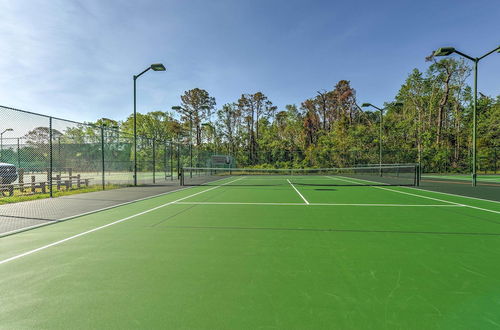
{"x":154,"y":67}
{"x":158,"y":67}
{"x":444,"y":51}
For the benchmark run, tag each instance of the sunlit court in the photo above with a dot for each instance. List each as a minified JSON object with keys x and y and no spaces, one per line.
{"x":294,"y":250}
{"x":249,"y":164}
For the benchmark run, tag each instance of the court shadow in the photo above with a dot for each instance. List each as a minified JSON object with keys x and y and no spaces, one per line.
{"x":326,"y":189}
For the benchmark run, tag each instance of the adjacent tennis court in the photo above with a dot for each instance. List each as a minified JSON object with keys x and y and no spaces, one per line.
{"x":485,"y":178}
{"x":263,"y":250}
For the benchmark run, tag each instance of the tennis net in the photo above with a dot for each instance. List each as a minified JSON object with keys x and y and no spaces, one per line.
{"x":400,"y":175}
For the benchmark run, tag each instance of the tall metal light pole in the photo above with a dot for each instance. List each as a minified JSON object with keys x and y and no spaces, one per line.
{"x":212,"y":133}
{"x":154,"y":67}
{"x":381,"y":110}
{"x":445,"y":51}
{"x":1,"y":141}
{"x":190,"y":115}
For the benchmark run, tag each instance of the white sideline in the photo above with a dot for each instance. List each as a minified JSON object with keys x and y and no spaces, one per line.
{"x":4,"y":261}
{"x":298,"y":192}
{"x":51,"y":222}
{"x":450,"y":194}
{"x":421,"y":196}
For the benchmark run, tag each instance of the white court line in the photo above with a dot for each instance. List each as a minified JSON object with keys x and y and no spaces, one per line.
{"x":54,"y":221}
{"x":460,"y":179}
{"x":402,"y":192}
{"x":298,"y":192}
{"x":469,"y":197}
{"x":427,"y":197}
{"x":317,"y":204}
{"x":108,"y":225}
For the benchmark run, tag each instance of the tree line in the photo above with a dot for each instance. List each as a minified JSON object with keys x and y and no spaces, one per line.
{"x":428,"y":122}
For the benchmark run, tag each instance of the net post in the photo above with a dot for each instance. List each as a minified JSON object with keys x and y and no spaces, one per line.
{"x":419,"y":174}
{"x":181,"y":176}
{"x":416,"y":179}
{"x":51,"y":160}
{"x":178,"y":160}
{"x":165,"y":159}
{"x":171,"y":161}
{"x":154,"y":161}
{"x":102,"y":157}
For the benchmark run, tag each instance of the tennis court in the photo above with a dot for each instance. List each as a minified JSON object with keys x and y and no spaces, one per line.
{"x":246,"y":250}
{"x":484,"y":178}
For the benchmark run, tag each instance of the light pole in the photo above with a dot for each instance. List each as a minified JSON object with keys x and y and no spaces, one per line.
{"x":365,"y":105}
{"x":190,"y":115}
{"x":445,"y":51}
{"x":1,"y":141}
{"x":213,"y":134}
{"x":154,"y":67}
{"x":381,"y":110}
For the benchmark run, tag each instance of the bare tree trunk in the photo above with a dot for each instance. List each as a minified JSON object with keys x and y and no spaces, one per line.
{"x":442,"y":104}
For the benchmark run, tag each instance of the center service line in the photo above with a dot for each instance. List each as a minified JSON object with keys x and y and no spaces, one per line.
{"x":298,"y":192}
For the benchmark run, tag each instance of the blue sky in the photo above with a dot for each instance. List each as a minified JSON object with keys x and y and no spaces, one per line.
{"x":75,"y":59}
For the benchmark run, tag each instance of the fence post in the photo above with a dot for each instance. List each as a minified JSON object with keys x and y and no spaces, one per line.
{"x":495,"y":160}
{"x":102,"y":158}
{"x":154,"y":161}
{"x":171,"y":162}
{"x":50,"y":157}
{"x":178,"y":159}
{"x":18,"y":156}
{"x":20,"y":173}
{"x":165,"y":158}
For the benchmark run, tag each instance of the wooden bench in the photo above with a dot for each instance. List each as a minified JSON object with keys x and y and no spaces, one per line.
{"x":43,"y":186}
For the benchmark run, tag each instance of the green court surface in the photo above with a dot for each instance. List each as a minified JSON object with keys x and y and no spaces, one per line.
{"x":268,"y":253}
{"x":492,"y":178}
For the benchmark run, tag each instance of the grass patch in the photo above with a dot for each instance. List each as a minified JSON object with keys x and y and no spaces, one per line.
{"x":20,"y":197}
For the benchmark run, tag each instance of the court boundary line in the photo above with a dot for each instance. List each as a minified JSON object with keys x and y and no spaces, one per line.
{"x":55,"y":221}
{"x":402,"y":192}
{"x":450,"y":194}
{"x":298,"y":192}
{"x":427,"y":197}
{"x":467,"y":178}
{"x":44,"y":247}
{"x":317,"y":204}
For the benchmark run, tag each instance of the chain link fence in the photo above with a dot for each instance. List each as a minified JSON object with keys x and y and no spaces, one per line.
{"x":48,"y":156}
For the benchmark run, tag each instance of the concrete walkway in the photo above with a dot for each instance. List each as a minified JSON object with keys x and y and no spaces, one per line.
{"x":24,"y":215}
